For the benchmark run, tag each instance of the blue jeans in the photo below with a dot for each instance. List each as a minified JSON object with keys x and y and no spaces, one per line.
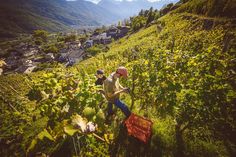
{"x":120,"y":105}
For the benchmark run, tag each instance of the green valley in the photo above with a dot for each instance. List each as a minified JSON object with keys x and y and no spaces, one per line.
{"x":24,"y":16}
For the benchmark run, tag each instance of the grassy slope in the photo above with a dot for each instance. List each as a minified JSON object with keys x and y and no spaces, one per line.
{"x":186,"y":28}
{"x":193,"y":35}
{"x":17,"y":114}
{"x":212,"y":8}
{"x":184,"y":24}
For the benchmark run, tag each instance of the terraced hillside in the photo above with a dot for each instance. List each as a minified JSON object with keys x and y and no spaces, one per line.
{"x":182,"y":77}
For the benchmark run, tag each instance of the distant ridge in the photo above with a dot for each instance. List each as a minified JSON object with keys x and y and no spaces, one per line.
{"x":125,"y":8}
{"x":24,"y":16}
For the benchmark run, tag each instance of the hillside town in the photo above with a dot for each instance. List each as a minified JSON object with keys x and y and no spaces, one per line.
{"x":27,"y":57}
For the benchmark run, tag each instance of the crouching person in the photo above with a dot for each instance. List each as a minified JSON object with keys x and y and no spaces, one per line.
{"x":99,"y":82}
{"x":113,"y":89}
{"x":100,"y":77}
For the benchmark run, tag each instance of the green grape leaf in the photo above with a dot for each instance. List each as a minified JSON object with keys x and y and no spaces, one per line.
{"x":70,"y":130}
{"x":46,"y":134}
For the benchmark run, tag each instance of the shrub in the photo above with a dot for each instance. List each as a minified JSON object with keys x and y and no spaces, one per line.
{"x":51,"y":49}
{"x":94,"y":50}
{"x":38,"y":41}
{"x":41,"y":34}
{"x":70,"y":38}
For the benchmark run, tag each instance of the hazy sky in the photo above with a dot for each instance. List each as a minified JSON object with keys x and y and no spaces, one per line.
{"x":96,"y":1}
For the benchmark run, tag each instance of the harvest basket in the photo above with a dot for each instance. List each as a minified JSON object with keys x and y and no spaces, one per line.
{"x":139,"y":127}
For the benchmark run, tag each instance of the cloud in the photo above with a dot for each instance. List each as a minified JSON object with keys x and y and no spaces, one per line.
{"x":94,"y":1}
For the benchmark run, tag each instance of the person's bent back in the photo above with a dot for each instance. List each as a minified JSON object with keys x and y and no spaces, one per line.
{"x":113,"y":89}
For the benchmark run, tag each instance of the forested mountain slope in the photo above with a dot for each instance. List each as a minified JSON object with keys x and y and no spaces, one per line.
{"x":23,"y":16}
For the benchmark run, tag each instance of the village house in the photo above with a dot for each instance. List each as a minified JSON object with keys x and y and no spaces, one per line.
{"x":12,"y":62}
{"x":101,"y":39}
{"x":96,"y":40}
{"x":27,"y":62}
{"x":26,"y":50}
{"x":71,"y":54}
{"x":30,"y":52}
{"x":103,"y":35}
{"x":88,"y":44}
{"x":106,"y":37}
{"x":49,"y":56}
{"x":63,"y":57}
{"x":123,"y":30}
{"x":71,"y":57}
{"x":74,"y":44}
{"x":25,"y":69}
{"x":25,"y":66}
{"x":22,"y":47}
{"x":64,"y":50}
{"x":18,"y":55}
{"x":95,"y":34}
{"x":41,"y":59}
{"x":76,"y":55}
{"x":106,"y":40}
{"x":113,"y":31}
{"x":118,"y":32}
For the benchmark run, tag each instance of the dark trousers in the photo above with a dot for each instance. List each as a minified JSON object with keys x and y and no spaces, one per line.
{"x":120,"y":105}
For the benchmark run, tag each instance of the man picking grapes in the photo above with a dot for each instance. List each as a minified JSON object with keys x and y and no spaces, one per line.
{"x":113,"y":89}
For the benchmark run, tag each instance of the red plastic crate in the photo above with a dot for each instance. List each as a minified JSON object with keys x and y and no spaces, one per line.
{"x":139,"y":127}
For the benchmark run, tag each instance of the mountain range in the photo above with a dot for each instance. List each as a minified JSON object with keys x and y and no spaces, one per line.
{"x":24,"y":16}
{"x":126,"y":8}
